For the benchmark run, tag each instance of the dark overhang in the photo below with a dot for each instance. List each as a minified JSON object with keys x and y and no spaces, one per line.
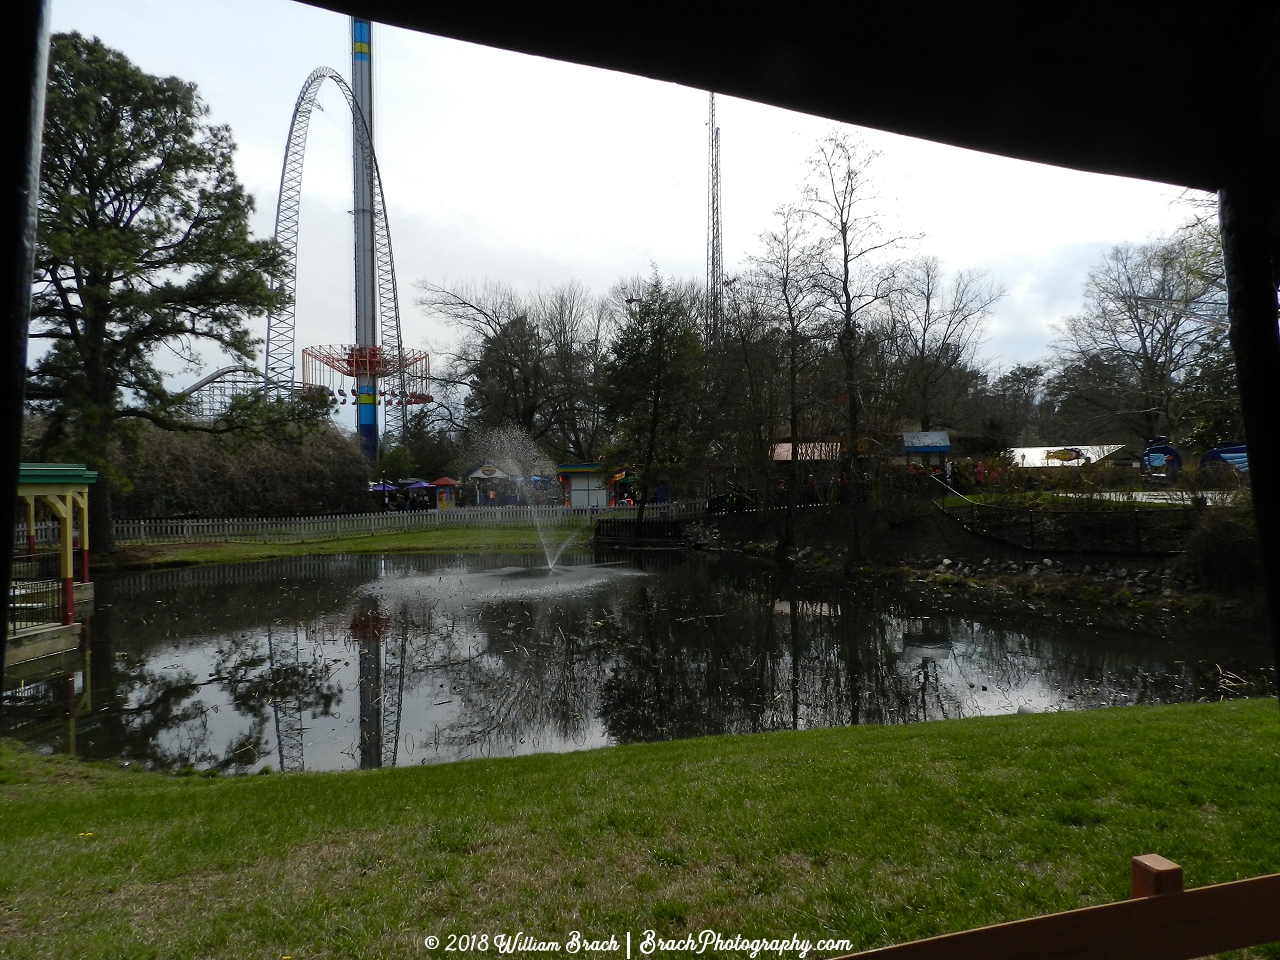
{"x":1179,"y":92}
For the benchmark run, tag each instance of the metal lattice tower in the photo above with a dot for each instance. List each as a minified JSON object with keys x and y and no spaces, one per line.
{"x":280,"y":373}
{"x":383,"y":664}
{"x":715,"y":239}
{"x":283,"y":656}
{"x":395,"y":656}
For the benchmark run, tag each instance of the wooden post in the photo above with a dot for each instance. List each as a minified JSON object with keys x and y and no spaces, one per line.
{"x":1151,"y":875}
{"x":66,"y":565}
{"x":69,"y":702}
{"x":83,"y":504}
{"x":22,"y":77}
{"x":1245,"y":211}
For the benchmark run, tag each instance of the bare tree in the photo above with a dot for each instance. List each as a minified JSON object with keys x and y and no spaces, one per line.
{"x":754,"y":399}
{"x":578,"y":329}
{"x":842,"y":199}
{"x":531,"y":360}
{"x":788,"y":272}
{"x":1123,"y":360}
{"x":937,"y":328}
{"x":502,"y":357}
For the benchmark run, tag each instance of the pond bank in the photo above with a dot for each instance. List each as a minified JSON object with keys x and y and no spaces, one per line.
{"x":480,"y":539}
{"x":935,"y":550}
{"x":875,"y":834}
{"x":931,"y":549}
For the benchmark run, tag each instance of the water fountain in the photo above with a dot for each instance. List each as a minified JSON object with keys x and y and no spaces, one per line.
{"x":515,"y":452}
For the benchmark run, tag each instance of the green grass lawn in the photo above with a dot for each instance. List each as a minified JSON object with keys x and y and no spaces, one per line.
{"x":877,"y":834}
{"x":496,"y":537}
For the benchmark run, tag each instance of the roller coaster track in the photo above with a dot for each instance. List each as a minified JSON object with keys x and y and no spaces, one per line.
{"x":280,"y":361}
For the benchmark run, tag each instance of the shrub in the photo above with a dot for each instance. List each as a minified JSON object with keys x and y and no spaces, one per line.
{"x":1223,"y":552}
{"x":195,"y":474}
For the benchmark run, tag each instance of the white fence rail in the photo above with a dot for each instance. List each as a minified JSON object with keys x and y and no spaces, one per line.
{"x":48,"y":533}
{"x":276,"y":529}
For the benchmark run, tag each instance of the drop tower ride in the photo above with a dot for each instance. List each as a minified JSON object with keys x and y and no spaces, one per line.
{"x":366,"y":385}
{"x":375,"y":371}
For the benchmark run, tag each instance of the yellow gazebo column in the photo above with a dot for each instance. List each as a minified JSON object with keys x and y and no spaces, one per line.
{"x":60,"y":504}
{"x":81,"y":499}
{"x":31,"y":526}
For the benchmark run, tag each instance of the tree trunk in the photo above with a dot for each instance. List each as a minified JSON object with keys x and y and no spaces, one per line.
{"x":648,"y":459}
{"x":854,"y":541}
{"x":793,"y":481}
{"x":102,"y":537}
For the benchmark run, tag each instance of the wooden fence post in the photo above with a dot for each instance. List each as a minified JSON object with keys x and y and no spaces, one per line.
{"x":1151,"y":875}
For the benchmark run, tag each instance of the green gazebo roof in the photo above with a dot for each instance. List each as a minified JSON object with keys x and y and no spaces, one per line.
{"x":59,"y":473}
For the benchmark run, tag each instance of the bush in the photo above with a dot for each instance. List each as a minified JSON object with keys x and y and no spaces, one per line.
{"x":1223,"y":551}
{"x":898,"y":495}
{"x":199,"y":475}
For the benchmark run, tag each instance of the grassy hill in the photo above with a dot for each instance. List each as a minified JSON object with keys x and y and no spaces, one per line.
{"x":875,"y":834}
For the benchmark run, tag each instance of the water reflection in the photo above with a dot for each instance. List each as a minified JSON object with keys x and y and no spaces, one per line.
{"x":339,"y":662}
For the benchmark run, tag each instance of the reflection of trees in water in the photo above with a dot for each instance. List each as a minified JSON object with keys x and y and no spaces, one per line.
{"x":704,"y":654}
{"x":520,"y":672}
{"x":163,"y":721}
{"x":1107,"y":671}
{"x":733,"y":657}
{"x":704,"y":649}
{"x":767,"y":654}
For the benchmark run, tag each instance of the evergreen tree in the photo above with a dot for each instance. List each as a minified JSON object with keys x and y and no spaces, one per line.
{"x":143,"y":250}
{"x":652,"y":384}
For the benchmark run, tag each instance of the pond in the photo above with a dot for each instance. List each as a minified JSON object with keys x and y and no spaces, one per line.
{"x":336,"y":662}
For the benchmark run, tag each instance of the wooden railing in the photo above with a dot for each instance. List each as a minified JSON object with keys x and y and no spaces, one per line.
{"x":393,"y":521}
{"x":1160,"y":921}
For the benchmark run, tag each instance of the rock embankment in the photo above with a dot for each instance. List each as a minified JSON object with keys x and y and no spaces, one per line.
{"x":1142,"y":589}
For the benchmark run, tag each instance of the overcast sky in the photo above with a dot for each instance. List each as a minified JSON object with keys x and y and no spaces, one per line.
{"x":514,"y":168}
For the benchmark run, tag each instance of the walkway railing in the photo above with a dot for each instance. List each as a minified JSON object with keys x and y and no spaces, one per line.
{"x":277,"y":529}
{"x":1106,"y":529}
{"x":34,"y":603}
{"x":1159,"y":921}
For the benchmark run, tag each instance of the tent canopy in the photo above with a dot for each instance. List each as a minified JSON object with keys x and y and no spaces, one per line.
{"x":1063,"y":456}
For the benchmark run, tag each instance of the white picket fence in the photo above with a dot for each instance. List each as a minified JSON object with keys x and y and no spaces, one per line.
{"x":301,"y":529}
